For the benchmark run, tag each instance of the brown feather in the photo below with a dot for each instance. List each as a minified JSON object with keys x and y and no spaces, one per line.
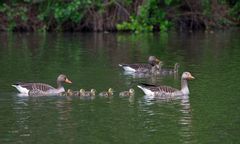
{"x":165,"y":89}
{"x":39,"y":86}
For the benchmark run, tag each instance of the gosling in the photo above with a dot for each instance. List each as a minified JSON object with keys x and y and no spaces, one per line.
{"x":72,"y":93}
{"x":106,"y":93}
{"x":128,"y":93}
{"x":84,"y":93}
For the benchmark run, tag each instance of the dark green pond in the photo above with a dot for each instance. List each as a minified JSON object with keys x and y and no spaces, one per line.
{"x":211,"y":113}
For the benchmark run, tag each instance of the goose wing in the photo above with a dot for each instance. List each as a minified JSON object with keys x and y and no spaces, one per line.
{"x":39,"y":86}
{"x":154,"y":88}
{"x":136,"y":66}
{"x":166,"y":89}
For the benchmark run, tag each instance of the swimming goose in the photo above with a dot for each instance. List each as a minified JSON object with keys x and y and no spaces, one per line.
{"x":106,"y":93}
{"x":84,"y":93}
{"x":41,"y":88}
{"x":152,"y":61}
{"x":145,"y":73}
{"x":130,"y":92}
{"x":166,"y":91}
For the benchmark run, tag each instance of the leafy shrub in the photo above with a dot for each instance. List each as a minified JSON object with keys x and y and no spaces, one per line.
{"x":151,"y":17}
{"x":14,"y":13}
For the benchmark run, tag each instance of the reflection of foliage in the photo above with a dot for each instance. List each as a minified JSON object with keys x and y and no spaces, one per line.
{"x":144,"y":43}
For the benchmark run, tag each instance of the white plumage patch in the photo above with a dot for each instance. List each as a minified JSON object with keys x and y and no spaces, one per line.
{"x":21,"y":89}
{"x":185,"y":90}
{"x":146,"y":91}
{"x":127,"y":68}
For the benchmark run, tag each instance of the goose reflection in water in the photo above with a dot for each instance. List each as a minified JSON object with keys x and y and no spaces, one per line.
{"x":181,"y":115}
{"x":185,"y":121}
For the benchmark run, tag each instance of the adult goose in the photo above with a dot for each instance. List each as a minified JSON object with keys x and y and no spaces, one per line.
{"x":166,"y":91}
{"x":35,"y":89}
{"x":140,"y":67}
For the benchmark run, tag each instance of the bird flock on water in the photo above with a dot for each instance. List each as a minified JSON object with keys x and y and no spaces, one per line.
{"x":154,"y":67}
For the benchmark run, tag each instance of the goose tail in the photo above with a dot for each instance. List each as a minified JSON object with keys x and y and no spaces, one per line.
{"x":146,"y":90}
{"x":20,"y":88}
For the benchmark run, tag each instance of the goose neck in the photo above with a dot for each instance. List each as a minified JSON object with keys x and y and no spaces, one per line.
{"x":184,"y":86}
{"x":59,"y":84}
{"x":175,"y":69}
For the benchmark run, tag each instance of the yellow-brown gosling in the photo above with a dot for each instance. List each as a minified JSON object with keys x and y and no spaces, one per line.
{"x":106,"y":93}
{"x":72,"y":93}
{"x":130,"y":92}
{"x":84,"y":93}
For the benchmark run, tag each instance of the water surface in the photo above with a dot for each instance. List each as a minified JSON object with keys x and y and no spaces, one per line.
{"x":211,"y":113}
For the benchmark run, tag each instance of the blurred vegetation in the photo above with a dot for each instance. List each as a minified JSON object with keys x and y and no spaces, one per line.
{"x":151,"y":16}
{"x":113,"y":15}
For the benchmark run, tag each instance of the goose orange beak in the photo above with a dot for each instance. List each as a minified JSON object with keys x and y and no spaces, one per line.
{"x":191,"y":77}
{"x":68,"y":81}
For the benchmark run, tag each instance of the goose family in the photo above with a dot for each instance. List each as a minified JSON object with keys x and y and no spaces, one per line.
{"x":167,"y":91}
{"x":35,"y":89}
{"x":154,"y":66}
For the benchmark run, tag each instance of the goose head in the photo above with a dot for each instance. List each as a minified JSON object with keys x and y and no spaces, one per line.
{"x":69,"y":92}
{"x":152,"y":60}
{"x":93,"y":92}
{"x":184,"y":86}
{"x":187,"y":76}
{"x":110,"y":91}
{"x":82,"y":91}
{"x":157,"y":68}
{"x":62,"y":79}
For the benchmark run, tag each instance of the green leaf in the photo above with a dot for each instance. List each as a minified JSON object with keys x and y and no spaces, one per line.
{"x":168,"y":2}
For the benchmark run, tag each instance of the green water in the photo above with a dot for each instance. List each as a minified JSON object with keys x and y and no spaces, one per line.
{"x":211,"y":113}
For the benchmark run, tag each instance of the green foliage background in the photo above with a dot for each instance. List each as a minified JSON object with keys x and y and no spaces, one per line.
{"x":147,"y":16}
